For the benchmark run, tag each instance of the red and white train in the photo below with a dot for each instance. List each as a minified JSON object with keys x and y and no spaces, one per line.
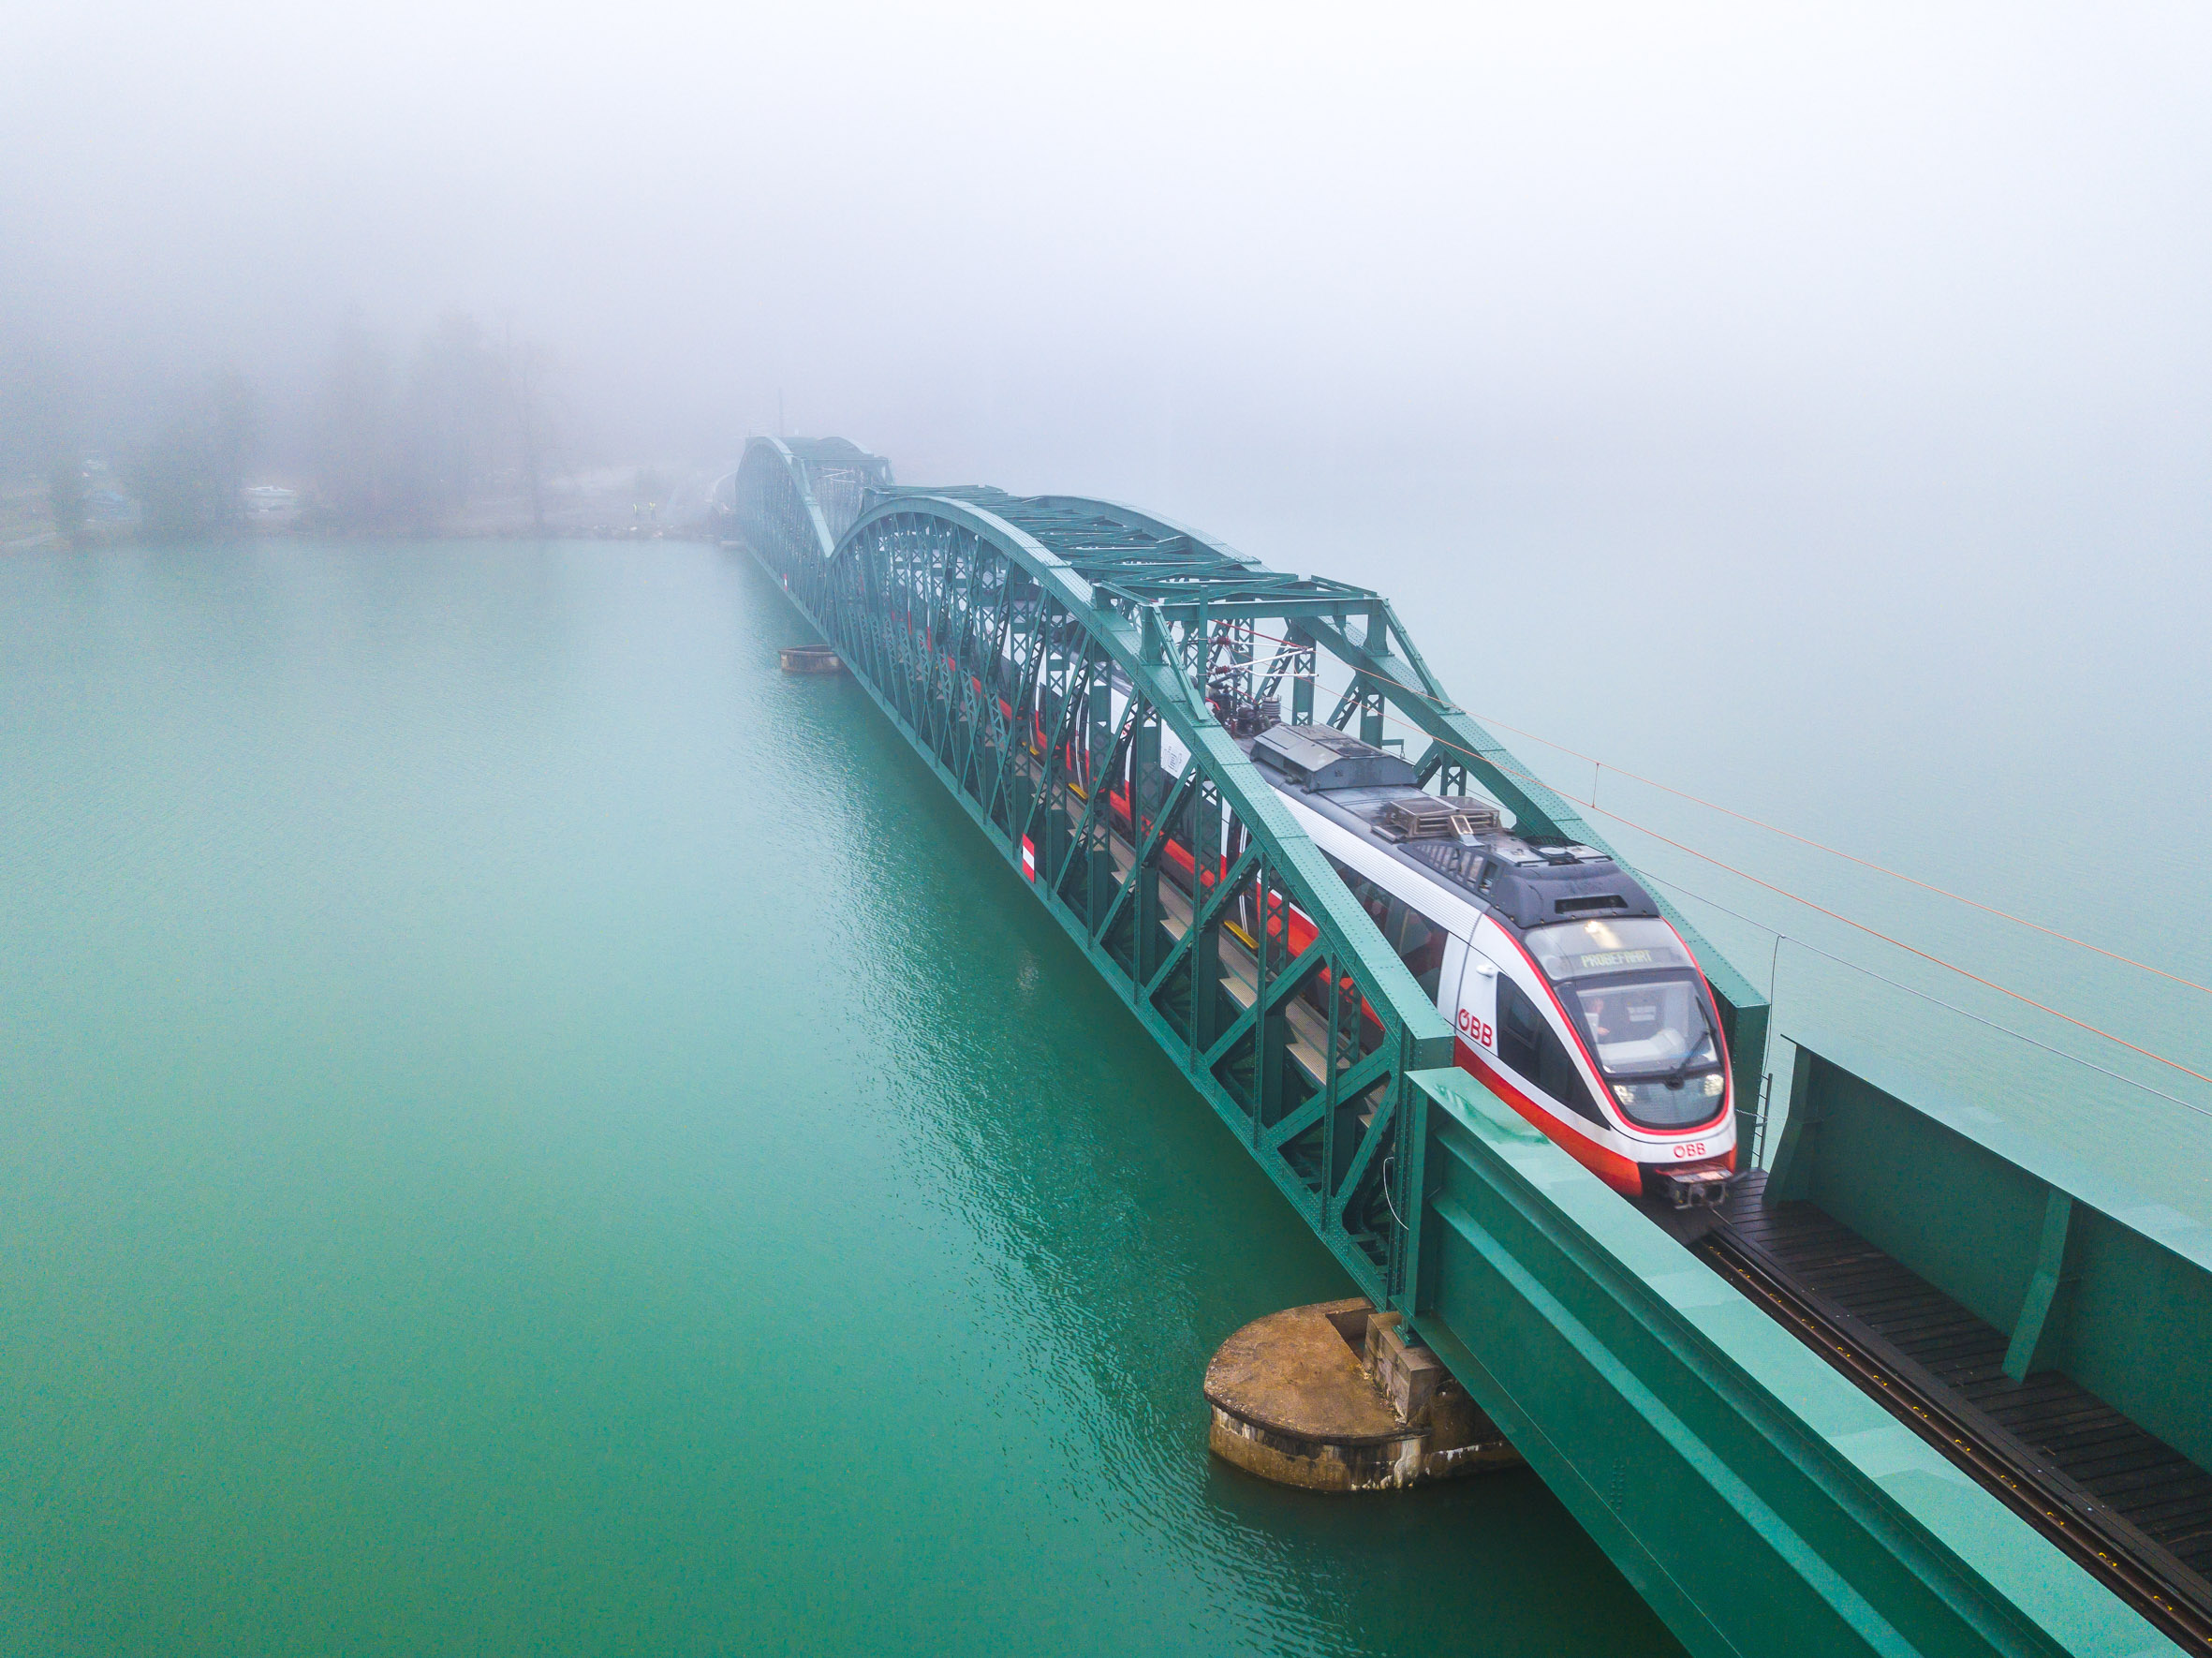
{"x":1571,"y":997}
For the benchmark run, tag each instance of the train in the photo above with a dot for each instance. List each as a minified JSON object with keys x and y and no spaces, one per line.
{"x":1570,"y":994}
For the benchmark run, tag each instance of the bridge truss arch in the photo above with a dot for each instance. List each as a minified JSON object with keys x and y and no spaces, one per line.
{"x":794,"y":497}
{"x":1059,"y":663}
{"x":1062,"y":666}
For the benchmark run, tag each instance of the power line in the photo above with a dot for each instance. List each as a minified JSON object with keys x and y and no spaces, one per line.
{"x":1900,"y":945}
{"x":1836,"y":915}
{"x":1852,"y":858}
{"x":1771,"y":828}
{"x":1781,"y":937}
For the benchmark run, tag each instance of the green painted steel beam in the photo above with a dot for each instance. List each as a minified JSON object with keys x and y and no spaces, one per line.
{"x":1757,"y":1499}
{"x":907,"y":598}
{"x":1255,"y":801}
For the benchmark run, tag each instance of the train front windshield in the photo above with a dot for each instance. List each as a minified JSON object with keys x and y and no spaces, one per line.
{"x":1637,"y":996}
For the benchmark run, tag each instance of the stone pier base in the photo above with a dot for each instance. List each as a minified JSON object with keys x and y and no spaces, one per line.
{"x":1331,"y":1399}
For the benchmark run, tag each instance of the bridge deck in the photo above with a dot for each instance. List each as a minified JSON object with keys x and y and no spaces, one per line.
{"x":1664,"y":1408}
{"x":2090,"y":1455}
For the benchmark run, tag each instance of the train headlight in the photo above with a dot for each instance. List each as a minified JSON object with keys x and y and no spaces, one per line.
{"x":1714,"y":1085}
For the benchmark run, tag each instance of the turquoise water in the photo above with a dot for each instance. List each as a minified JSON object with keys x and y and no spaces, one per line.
{"x":527,"y":1131}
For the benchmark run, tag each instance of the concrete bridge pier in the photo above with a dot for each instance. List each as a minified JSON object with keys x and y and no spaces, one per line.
{"x":1330,"y":1398}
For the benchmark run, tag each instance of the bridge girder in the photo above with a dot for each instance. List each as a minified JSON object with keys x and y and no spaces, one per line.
{"x":1751,"y":1494}
{"x":999,"y":636}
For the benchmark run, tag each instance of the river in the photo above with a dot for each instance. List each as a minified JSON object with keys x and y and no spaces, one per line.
{"x":528,"y":1130}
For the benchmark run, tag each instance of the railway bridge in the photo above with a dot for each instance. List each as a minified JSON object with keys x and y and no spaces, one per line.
{"x":1773,"y":1466}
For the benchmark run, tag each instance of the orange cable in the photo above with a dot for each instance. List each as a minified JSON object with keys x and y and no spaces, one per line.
{"x":1852,"y":858}
{"x":1862,"y":926}
{"x":1790,"y":834}
{"x":1823,"y":908}
{"x":1899,"y":943}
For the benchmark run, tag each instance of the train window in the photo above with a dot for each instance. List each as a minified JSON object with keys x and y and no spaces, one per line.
{"x":1419,"y":943}
{"x":1356,"y":884}
{"x":1527,"y":1042}
{"x":1369,"y":896}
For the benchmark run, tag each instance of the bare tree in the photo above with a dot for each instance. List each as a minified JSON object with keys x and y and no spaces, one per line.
{"x":393,"y":458}
{"x":533,"y":414}
{"x":356,"y":463}
{"x":455,"y":410}
{"x":189,"y":478}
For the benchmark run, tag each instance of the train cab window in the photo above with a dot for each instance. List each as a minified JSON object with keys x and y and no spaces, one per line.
{"x":1527,"y":1042}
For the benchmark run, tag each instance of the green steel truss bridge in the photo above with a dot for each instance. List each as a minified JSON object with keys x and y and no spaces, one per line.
{"x":1757,"y":1498}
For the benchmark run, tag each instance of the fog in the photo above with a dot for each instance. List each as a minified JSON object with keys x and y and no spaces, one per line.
{"x":1852,"y":367}
{"x":1104,"y":249}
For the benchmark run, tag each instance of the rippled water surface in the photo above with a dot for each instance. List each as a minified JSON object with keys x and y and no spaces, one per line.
{"x":527,"y":1131}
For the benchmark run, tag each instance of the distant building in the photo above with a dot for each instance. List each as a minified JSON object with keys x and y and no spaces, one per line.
{"x":109,"y":506}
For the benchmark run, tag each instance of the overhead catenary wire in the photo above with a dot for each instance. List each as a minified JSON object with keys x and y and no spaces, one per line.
{"x":1823,"y":908}
{"x":1781,"y":938}
{"x":1596,"y":764}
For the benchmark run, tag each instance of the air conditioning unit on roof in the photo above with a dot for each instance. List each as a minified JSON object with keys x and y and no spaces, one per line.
{"x":1439,"y":817}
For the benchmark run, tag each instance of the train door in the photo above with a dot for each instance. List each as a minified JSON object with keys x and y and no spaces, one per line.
{"x":1455,"y":955}
{"x":1475,"y":1020}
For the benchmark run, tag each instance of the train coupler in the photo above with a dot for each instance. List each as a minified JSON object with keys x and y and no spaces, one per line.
{"x":1703,"y":1188}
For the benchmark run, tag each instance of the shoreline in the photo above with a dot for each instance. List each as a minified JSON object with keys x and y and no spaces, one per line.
{"x":51,"y":541}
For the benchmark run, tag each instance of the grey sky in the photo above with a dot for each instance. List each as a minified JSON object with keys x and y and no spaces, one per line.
{"x":1876,"y":320}
{"x":1011,"y":232}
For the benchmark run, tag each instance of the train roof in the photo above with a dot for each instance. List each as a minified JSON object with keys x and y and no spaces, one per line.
{"x":1526,"y":882}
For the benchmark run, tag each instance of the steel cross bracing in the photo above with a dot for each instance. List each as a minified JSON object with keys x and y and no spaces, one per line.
{"x":977,"y":624}
{"x":1039,"y":652}
{"x":1240,"y":629}
{"x":1000,"y":631}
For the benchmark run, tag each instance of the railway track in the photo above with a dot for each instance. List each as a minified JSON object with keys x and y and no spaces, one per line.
{"x":2143,"y":1572}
